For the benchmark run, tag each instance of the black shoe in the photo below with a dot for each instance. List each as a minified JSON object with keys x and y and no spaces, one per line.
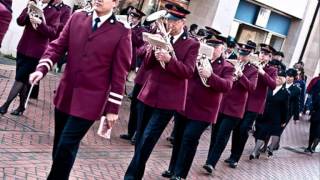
{"x":4,"y":109}
{"x":252,"y":156}
{"x":269,"y":152}
{"x":208,"y":168}
{"x":167,"y":174}
{"x":18,"y":112}
{"x":308,"y":150}
{"x":233,"y":164}
{"x":175,"y":178}
{"x":229,"y":160}
{"x":125,"y":136}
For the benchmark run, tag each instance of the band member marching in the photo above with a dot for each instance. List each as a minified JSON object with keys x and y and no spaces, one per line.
{"x":165,"y":90}
{"x":202,"y":106}
{"x":255,"y":106}
{"x":232,"y":107}
{"x":39,"y":29}
{"x":134,"y":17}
{"x":6,"y":16}
{"x":93,"y":81}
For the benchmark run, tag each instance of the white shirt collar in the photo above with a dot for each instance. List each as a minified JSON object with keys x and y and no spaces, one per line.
{"x":276,"y":89}
{"x":176,"y":37}
{"x":102,"y":18}
{"x":288,"y":85}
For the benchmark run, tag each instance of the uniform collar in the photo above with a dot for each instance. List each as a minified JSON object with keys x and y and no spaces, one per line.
{"x":104,"y":18}
{"x":183,"y":34}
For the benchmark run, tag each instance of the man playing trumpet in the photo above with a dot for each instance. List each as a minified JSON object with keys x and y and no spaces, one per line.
{"x":255,"y":105}
{"x":201,"y":110}
{"x":232,"y":107}
{"x":165,"y":90}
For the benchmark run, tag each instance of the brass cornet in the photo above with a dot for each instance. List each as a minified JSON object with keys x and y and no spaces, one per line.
{"x":162,"y":41}
{"x":203,"y":61}
{"x":238,"y":66}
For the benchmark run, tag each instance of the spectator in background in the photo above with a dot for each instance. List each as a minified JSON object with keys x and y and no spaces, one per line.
{"x":301,"y":82}
{"x":5,"y":17}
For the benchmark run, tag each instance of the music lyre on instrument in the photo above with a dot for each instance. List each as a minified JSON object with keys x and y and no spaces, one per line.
{"x":203,"y":61}
{"x":162,"y":39}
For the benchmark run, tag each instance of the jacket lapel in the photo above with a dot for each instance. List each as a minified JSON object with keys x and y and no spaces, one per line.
{"x":106,"y":26}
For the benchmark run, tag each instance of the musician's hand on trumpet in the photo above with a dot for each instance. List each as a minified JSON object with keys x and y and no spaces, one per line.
{"x":239,"y":72}
{"x":260,"y":70}
{"x":35,"y":21}
{"x":205,"y":73}
{"x":162,"y":55}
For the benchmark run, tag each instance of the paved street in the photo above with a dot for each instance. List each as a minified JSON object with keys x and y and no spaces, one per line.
{"x":26,"y":142}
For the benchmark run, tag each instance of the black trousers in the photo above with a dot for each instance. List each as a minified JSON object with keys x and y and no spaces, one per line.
{"x":132,"y":123}
{"x":185,"y":143}
{"x":314,"y":127}
{"x":144,"y":114}
{"x":240,"y":135}
{"x":158,"y":122}
{"x":68,"y":132}
{"x":220,"y":135}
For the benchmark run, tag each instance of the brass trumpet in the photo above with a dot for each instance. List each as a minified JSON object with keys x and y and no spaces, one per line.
{"x":238,"y":66}
{"x":162,"y":41}
{"x":204,"y":61}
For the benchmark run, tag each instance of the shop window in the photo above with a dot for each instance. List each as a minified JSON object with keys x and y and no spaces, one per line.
{"x":276,"y":42}
{"x":246,"y":33}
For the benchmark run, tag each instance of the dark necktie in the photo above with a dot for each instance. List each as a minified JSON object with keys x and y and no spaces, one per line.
{"x":171,"y":39}
{"x":96,"y":22}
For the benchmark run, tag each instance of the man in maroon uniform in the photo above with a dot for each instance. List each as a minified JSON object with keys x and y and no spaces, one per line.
{"x":134,"y":17}
{"x":255,"y":106}
{"x":34,"y":41}
{"x":93,"y":82}
{"x":166,"y":88}
{"x":232,"y":107}
{"x":202,"y":108}
{"x":5,"y":14}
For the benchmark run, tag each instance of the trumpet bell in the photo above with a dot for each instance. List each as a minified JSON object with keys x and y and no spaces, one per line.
{"x":156,"y":15}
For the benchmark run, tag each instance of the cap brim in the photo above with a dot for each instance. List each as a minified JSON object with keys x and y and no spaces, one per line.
{"x":172,"y":17}
{"x":244,"y":53}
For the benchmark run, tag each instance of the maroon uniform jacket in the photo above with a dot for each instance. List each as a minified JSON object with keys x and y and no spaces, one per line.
{"x":5,"y":17}
{"x":167,"y":88}
{"x":203,"y":102}
{"x":137,"y":42}
{"x":234,"y":102}
{"x":98,"y":63}
{"x":65,"y":13}
{"x":143,"y":72}
{"x":34,"y":42}
{"x":257,"y":98}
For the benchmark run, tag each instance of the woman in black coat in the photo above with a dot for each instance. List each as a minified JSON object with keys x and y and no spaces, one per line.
{"x":274,"y":118}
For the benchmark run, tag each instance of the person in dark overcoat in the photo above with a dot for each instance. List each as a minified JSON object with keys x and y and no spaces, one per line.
{"x":274,"y":118}
{"x":93,"y":82}
{"x":35,"y":39}
{"x":165,"y":90}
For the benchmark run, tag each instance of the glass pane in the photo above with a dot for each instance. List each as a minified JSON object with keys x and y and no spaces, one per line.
{"x":276,"y":42}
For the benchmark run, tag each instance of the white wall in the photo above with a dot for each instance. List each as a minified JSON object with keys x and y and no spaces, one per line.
{"x":295,"y":8}
{"x":224,"y":16}
{"x":14,"y":33}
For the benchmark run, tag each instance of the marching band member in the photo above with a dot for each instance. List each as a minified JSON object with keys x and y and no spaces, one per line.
{"x":34,"y":41}
{"x":274,"y":118}
{"x":6,"y":16}
{"x":93,"y":81}
{"x":166,"y":88}
{"x":134,"y":17}
{"x":314,"y":133}
{"x":232,"y":107}
{"x":231,"y":49}
{"x":255,"y":105}
{"x":201,"y":110}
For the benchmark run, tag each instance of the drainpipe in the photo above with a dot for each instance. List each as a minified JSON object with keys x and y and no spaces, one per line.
{"x":309,"y":32}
